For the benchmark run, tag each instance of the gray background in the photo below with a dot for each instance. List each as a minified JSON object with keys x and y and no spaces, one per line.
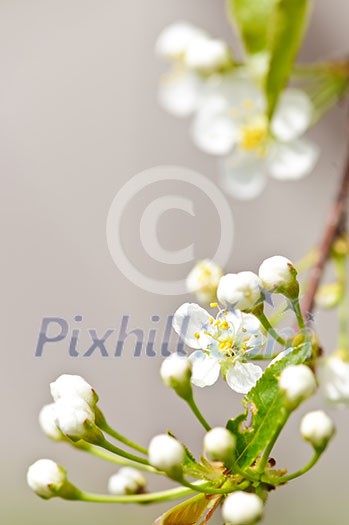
{"x":78,"y":118}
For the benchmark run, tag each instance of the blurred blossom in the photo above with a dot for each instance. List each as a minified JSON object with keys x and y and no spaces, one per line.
{"x":203,"y":280}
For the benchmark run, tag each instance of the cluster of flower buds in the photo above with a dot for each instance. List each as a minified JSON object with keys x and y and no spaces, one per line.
{"x":245,"y":290}
{"x":72,"y":414}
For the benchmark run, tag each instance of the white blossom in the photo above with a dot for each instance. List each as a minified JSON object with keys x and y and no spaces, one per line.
{"x":73,"y":386}
{"x":231,"y":121}
{"x":203,"y":280}
{"x":333,"y":376}
{"x":242,"y":291}
{"x":298,"y":383}
{"x":166,"y":454}
{"x":45,"y":478}
{"x":126,"y":481}
{"x":73,"y":416}
{"x":277,"y":273}
{"x":219,"y":444}
{"x":224,"y":343}
{"x":242,"y":508}
{"x":47,"y":422}
{"x":317,"y":428}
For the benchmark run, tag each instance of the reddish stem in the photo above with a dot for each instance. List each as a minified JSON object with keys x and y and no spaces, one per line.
{"x":334,"y":223}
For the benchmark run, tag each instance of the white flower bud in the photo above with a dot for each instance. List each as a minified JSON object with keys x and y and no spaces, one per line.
{"x":74,"y":417}
{"x":46,"y":478}
{"x":135,"y":475}
{"x":219,"y":444}
{"x":203,"y":280}
{"x":317,"y":428}
{"x":242,"y":508}
{"x":298,"y":382}
{"x":167,"y":454}
{"x":47,"y":422}
{"x":278,"y":275}
{"x":242,"y":291}
{"x":333,"y":375}
{"x":73,"y":386}
{"x":126,"y":481}
{"x":119,"y":485}
{"x":176,"y":373}
{"x":207,"y":55}
{"x":174,"y":40}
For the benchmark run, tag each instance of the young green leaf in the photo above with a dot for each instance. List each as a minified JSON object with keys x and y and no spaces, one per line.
{"x":252,"y":18}
{"x":189,"y":512}
{"x":289,"y":21}
{"x":265,"y":403}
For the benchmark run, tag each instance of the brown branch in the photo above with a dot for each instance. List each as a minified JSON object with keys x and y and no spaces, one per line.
{"x":332,"y":229}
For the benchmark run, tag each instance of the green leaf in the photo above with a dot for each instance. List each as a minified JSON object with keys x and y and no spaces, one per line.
{"x":265,"y":405}
{"x":252,"y":18}
{"x":189,"y":512}
{"x":288,"y":25}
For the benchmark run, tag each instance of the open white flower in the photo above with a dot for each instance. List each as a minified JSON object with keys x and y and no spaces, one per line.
{"x":232,"y":122}
{"x":222,"y":344}
{"x":333,"y":376}
{"x":203,"y":280}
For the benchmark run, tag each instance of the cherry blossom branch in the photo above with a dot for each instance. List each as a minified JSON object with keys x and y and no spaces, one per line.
{"x":338,"y":212}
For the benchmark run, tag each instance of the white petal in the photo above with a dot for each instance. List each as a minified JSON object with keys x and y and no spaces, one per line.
{"x":207,"y":54}
{"x":244,"y":96}
{"x":213,"y":130}
{"x":241,"y":377}
{"x":292,"y":116}
{"x":294,"y":160}
{"x":174,"y":40}
{"x":189,"y":320}
{"x":243,"y":175}
{"x":179,"y":93}
{"x":205,"y":370}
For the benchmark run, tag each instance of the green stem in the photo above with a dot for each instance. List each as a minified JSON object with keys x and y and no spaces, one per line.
{"x":298,"y":312}
{"x":156,"y":497}
{"x":264,"y":460}
{"x":196,"y":411}
{"x":97,"y":452}
{"x":119,"y":437}
{"x":266,"y":324}
{"x":297,"y":474}
{"x":207,"y":489}
{"x":119,"y":452}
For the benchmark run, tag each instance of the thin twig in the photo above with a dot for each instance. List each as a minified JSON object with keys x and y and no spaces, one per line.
{"x":333,"y":227}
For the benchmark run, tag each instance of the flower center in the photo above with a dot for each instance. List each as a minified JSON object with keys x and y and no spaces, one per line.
{"x":254,"y":136}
